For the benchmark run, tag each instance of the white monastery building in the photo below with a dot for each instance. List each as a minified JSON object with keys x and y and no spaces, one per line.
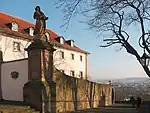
{"x":17,"y":34}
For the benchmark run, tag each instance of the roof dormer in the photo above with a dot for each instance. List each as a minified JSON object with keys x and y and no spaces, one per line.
{"x":47,"y":35}
{"x":30,"y":31}
{"x":60,"y":39}
{"x":70,"y":42}
{"x":14,"y":26}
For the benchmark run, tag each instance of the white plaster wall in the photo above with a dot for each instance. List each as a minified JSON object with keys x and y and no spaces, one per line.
{"x":6,"y":46}
{"x":12,"y":89}
{"x":67,"y":64}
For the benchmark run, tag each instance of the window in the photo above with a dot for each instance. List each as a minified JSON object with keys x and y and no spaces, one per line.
{"x":31,"y":31}
{"x":62,"y":54}
{"x":16,"y":46}
{"x":72,"y":43}
{"x":61,"y":40}
{"x":72,"y":73}
{"x":80,"y":57}
{"x":72,"y":56}
{"x":81,"y":74}
{"x":14,"y":26}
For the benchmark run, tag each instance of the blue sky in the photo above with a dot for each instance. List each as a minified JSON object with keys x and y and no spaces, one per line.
{"x":104,"y":63}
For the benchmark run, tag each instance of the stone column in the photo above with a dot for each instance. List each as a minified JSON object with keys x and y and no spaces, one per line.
{"x":40,"y":91}
{"x":32,"y":90}
{"x":49,"y":63}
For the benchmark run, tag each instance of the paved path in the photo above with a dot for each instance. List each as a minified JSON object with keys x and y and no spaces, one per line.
{"x":117,"y":108}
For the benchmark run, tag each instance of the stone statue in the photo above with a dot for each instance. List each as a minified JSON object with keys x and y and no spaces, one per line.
{"x":40,"y":25}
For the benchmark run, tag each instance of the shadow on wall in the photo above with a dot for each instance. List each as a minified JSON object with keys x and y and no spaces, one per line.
{"x":74,"y":94}
{"x":77,"y":94}
{"x":89,"y":91}
{"x":113,"y":96}
{"x":102,"y":101}
{"x":90,"y":94}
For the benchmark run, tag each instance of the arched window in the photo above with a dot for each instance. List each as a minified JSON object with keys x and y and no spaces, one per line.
{"x":14,"y":26}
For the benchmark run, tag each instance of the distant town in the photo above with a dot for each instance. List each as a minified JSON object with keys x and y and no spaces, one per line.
{"x":125,"y":88}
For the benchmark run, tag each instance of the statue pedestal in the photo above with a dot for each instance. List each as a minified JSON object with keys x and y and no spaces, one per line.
{"x":32,"y":93}
{"x":40,"y":91}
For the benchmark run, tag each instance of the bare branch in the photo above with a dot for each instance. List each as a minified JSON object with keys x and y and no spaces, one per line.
{"x":109,"y":44}
{"x":113,"y":17}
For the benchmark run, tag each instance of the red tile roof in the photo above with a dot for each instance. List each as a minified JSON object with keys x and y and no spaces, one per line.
{"x":5,"y":19}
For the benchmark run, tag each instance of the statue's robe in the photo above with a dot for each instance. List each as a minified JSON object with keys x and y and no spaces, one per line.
{"x":40,"y":23}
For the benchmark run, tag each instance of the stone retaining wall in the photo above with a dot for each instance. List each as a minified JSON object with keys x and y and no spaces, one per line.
{"x":75,"y":94}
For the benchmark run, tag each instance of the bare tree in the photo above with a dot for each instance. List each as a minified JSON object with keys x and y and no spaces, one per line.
{"x":114,"y":17}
